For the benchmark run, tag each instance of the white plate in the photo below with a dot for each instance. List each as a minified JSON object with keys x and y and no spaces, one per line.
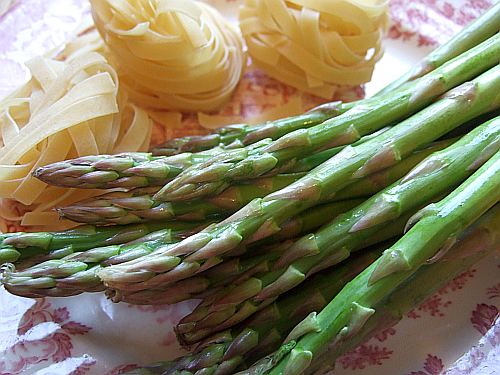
{"x":87,"y":334}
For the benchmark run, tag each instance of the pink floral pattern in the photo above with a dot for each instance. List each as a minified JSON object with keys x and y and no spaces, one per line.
{"x":439,"y":302}
{"x":84,"y":367}
{"x":484,"y":317}
{"x":365,"y":355}
{"x":55,"y":346}
{"x":432,"y":22}
{"x":166,"y":315}
{"x":385,"y":334}
{"x":493,"y":291}
{"x":433,"y":366}
{"x":458,"y":282}
{"x":434,"y":306}
{"x":42,"y":312}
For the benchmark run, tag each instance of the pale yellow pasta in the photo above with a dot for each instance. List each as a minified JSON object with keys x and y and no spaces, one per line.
{"x":171,"y":54}
{"x":68,"y":109}
{"x":315,"y":45}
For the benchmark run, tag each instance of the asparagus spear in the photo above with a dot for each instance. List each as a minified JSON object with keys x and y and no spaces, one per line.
{"x":219,"y":172}
{"x":22,"y":246}
{"x":312,"y":161}
{"x":479,"y":240}
{"x":125,"y":170}
{"x":131,"y":169}
{"x":431,"y":233}
{"x":476,"y":32}
{"x":436,"y":175}
{"x":243,"y":134}
{"x":266,"y":330}
{"x":138,"y":205}
{"x":261,"y":217}
{"x":76,"y":273}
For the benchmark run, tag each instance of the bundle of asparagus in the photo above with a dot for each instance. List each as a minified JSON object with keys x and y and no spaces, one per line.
{"x":367,"y":222}
{"x":262,"y":223}
{"x":257,"y":337}
{"x":432,"y":233}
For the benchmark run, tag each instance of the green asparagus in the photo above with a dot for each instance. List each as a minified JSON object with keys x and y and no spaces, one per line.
{"x":243,"y":134}
{"x":132,"y":170}
{"x":241,"y":266}
{"x":335,"y":241}
{"x":139,"y":206}
{"x":258,"y":336}
{"x":431,"y":233}
{"x":121,"y":170}
{"x":75,"y":273}
{"x":39,"y":246}
{"x":262,"y":217}
{"x":216,"y":174}
{"x":478,"y":241}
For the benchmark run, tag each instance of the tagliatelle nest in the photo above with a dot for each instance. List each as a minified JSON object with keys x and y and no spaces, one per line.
{"x":315,"y":45}
{"x":172,"y":54}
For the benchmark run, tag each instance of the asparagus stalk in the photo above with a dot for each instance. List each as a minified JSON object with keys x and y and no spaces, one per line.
{"x":335,"y":241}
{"x":262,"y":217}
{"x":131,"y":169}
{"x":138,"y":206}
{"x":125,"y":170}
{"x":431,"y":233}
{"x":40,"y":246}
{"x":136,"y":170}
{"x":266,"y":330}
{"x":219,"y":172}
{"x":243,"y":134}
{"x":76,"y":273}
{"x":476,"y":32}
{"x":478,"y":241}
{"x":312,"y":161}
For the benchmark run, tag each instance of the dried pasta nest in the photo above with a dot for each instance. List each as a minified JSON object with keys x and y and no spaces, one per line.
{"x":315,"y":45}
{"x":172,"y":54}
